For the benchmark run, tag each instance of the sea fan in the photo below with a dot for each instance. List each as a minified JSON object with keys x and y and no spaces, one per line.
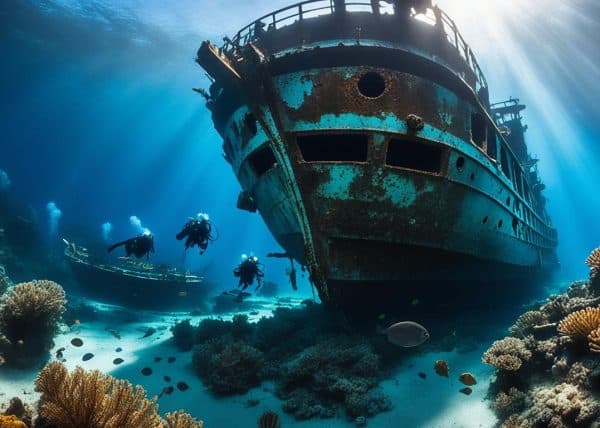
{"x":269,"y":419}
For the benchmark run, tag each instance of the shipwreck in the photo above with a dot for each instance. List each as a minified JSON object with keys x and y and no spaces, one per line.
{"x":363,"y":134}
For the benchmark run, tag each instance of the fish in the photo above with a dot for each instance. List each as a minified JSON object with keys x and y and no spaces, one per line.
{"x":87,"y":356}
{"x":168,"y":390}
{"x":466,"y":390}
{"x":182,"y":386}
{"x":422,"y":375}
{"x":406,"y":334}
{"x":157,"y":359}
{"x":171,"y":359}
{"x":441,"y":368}
{"x":146,"y":371}
{"x":59,"y":354}
{"x":117,"y":361}
{"x":467,"y":379}
{"x":77,"y":342}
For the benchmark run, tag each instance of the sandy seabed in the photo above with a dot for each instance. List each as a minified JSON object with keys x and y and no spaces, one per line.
{"x":431,"y":402}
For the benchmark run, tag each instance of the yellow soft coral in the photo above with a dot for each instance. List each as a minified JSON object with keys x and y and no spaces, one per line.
{"x":11,"y":422}
{"x":96,"y":400}
{"x":580,"y":323}
{"x":92,"y":400}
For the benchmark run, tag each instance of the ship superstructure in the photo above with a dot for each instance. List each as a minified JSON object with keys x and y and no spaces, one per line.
{"x":363,"y":134}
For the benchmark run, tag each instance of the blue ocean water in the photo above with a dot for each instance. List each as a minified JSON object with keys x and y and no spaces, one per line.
{"x":98,"y":116}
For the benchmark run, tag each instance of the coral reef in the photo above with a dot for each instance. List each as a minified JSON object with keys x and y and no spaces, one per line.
{"x":11,"y":421}
{"x":95,"y":400}
{"x":4,"y":281}
{"x":316,"y":372}
{"x":227,"y":366}
{"x":526,"y":323}
{"x":269,"y":419}
{"x":23,"y":412}
{"x":549,"y":377}
{"x":92,"y":399}
{"x":29,"y":318}
{"x":341,"y":370}
{"x":561,"y":406}
{"x":180,"y":419}
{"x":580,"y":323}
{"x":507,"y":354}
{"x":510,"y":402}
{"x":183,"y":335}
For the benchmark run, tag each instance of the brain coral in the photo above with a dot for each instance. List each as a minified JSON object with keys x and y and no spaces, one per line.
{"x":507,"y":354}
{"x":580,"y":323}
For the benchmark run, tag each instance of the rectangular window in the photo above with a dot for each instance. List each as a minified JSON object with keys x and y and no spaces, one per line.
{"x":333,"y":147}
{"x":414,"y":155}
{"x":478,"y":129}
{"x":262,"y":160}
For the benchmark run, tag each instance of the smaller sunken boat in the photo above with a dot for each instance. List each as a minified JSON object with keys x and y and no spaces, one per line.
{"x":132,"y":283}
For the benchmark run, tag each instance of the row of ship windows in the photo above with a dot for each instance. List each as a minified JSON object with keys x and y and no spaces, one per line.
{"x":400,"y":153}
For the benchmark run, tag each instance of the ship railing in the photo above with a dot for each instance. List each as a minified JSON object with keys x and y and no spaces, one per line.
{"x":314,"y":8}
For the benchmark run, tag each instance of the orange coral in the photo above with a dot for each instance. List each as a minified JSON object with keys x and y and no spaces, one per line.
{"x":180,"y":419}
{"x":580,"y":323}
{"x":11,"y":422}
{"x":594,"y":340}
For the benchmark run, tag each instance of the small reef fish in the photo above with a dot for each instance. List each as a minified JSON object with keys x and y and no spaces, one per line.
{"x":406,"y":334}
{"x":149,"y":332}
{"x":467,"y":379}
{"x":441,"y":368}
{"x":422,"y":375}
{"x":466,"y":390}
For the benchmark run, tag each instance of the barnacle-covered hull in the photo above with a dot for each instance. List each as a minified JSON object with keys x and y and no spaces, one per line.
{"x":374,"y":162}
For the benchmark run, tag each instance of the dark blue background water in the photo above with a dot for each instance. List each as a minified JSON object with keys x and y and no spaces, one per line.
{"x":97,"y":114}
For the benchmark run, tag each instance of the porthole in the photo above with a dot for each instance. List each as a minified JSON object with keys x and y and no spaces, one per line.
{"x":371,"y":84}
{"x":500,"y":223}
{"x":460,"y":163}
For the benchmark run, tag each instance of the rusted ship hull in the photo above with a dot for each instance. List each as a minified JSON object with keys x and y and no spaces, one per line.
{"x":373,"y":162}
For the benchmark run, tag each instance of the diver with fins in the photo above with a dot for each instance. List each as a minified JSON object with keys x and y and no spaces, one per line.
{"x":249,"y":270}
{"x":198,"y":232}
{"x":139,"y":246}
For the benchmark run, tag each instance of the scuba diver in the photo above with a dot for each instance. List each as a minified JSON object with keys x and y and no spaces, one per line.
{"x":139,"y":246}
{"x":198,"y":232}
{"x":247,"y":270}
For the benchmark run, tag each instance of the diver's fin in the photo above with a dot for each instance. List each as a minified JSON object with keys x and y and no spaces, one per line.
{"x":118,"y":244}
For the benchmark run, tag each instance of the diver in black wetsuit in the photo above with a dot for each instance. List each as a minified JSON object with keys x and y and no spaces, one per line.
{"x":139,"y":246}
{"x":198,"y":232}
{"x":247,"y":270}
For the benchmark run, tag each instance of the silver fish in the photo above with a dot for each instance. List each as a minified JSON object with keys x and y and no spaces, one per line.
{"x":406,"y":334}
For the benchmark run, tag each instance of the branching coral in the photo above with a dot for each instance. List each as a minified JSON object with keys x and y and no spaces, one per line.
{"x":507,"y":354}
{"x":526,"y":322}
{"x":508,"y":403}
{"x":29,"y":320}
{"x":92,"y":400}
{"x":580,"y":323}
{"x":180,"y":419}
